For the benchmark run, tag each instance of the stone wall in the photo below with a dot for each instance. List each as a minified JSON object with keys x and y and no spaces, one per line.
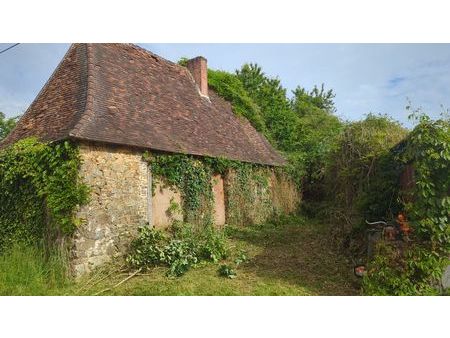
{"x":118,"y":180}
{"x":121,"y":200}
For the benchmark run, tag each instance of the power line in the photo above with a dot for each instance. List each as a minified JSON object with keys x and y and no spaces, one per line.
{"x":4,"y":50}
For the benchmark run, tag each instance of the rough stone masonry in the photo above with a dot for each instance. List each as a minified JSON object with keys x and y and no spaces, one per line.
{"x":118,"y":181}
{"x":121,"y":200}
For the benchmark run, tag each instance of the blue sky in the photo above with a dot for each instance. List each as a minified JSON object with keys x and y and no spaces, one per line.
{"x":376,"y":78}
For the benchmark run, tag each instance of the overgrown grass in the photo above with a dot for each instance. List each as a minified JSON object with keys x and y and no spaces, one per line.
{"x":26,"y":270}
{"x":292,"y":256}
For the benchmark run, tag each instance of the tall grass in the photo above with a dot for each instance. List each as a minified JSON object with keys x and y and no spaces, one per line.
{"x":26,"y":270}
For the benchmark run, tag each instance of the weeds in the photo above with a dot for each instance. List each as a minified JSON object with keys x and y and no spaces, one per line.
{"x":27,"y":270}
{"x":180,"y":250}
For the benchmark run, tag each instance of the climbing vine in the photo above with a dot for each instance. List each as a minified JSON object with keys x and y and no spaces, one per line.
{"x":362,"y":175}
{"x":248,"y":198}
{"x":186,"y":244}
{"x":39,"y":191}
{"x":428,"y":149}
{"x":415,"y":268}
{"x":191,"y":177}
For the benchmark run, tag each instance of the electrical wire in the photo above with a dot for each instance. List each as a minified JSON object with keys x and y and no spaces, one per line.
{"x":6,"y":49}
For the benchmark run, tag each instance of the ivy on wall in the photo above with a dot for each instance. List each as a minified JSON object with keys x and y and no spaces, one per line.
{"x":248,"y":197}
{"x":191,"y":177}
{"x":39,"y":191}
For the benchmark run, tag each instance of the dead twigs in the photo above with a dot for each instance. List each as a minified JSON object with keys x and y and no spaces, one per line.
{"x":120,"y":283}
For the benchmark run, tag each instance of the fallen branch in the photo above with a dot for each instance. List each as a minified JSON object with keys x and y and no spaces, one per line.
{"x":120,"y":283}
{"x":92,"y":282}
{"x":87,"y":288}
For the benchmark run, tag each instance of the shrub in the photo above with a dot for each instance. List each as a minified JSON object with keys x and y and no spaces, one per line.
{"x":148,"y":248}
{"x":406,"y":271}
{"x":362,"y":178}
{"x":416,"y":269}
{"x":213,"y":246}
{"x":180,"y":250}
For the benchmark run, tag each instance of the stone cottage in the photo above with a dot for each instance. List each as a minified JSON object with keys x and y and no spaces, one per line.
{"x":117,"y":101}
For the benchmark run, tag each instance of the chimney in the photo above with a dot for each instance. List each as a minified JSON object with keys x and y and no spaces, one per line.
{"x":199,"y":70}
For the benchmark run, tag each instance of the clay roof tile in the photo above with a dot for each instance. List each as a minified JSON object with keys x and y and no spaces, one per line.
{"x":123,"y":94}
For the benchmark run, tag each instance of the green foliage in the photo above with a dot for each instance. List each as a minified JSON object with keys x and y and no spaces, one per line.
{"x":183,"y":249}
{"x":183,"y":61}
{"x":407,"y":271}
{"x":362,"y":178}
{"x":39,"y":191}
{"x":213,"y":247}
{"x":6,"y":125}
{"x":248,"y":186}
{"x":241,"y":258}
{"x":318,"y":131}
{"x":180,"y":256}
{"x":248,"y":199}
{"x":191,"y":177}
{"x":269,"y":95}
{"x":148,"y":248}
{"x":319,"y":98}
{"x":227,"y":271}
{"x":417,"y":269}
{"x":231,"y":89}
{"x":30,"y":270}
{"x":428,"y":149}
{"x":303,"y":127}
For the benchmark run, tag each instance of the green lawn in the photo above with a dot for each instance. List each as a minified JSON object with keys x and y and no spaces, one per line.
{"x":294,"y":258}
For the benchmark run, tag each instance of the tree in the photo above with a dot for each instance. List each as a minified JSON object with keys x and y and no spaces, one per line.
{"x":6,"y":125}
{"x":362,"y":172}
{"x":318,"y":129}
{"x":270,"y":96}
{"x":320,"y":98}
{"x":304,"y":127}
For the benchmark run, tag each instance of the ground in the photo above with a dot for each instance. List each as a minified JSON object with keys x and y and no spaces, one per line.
{"x":295,"y":257}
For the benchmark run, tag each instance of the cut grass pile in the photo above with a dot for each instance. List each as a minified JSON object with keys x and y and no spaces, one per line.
{"x":293,"y":257}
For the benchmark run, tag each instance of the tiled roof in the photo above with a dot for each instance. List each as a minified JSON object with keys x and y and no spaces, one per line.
{"x":125,"y":95}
